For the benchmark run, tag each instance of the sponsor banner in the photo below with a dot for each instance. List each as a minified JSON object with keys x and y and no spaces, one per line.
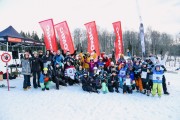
{"x":93,"y":42}
{"x":64,"y":36}
{"x":49,"y":35}
{"x":118,"y":44}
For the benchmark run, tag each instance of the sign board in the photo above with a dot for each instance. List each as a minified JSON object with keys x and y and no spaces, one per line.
{"x":6,"y":57}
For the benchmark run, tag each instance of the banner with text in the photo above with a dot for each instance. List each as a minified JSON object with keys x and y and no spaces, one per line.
{"x":118,"y":44}
{"x":65,"y":38}
{"x":93,"y":42}
{"x":49,"y":35}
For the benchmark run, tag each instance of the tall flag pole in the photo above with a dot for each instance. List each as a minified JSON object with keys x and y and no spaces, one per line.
{"x":141,"y":30}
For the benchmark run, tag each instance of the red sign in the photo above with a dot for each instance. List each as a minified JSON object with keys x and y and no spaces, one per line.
{"x":6,"y":57}
{"x":49,"y":34}
{"x":10,"y":39}
{"x":64,"y":34}
{"x":93,"y":42}
{"x":118,"y":44}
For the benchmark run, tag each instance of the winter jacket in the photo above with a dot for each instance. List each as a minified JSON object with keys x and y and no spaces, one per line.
{"x":91,"y":65}
{"x":58,"y":59}
{"x":144,"y":71}
{"x":137,"y":71}
{"x":86,"y":81}
{"x":114,"y":79}
{"x":36,"y":64}
{"x":44,"y":78}
{"x":26,"y":67}
{"x":122,"y":72}
{"x":157,"y":76}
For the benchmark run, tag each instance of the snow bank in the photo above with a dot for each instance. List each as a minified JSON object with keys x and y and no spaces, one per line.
{"x":72,"y":103}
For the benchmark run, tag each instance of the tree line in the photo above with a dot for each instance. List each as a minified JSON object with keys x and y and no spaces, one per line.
{"x":155,"y":41}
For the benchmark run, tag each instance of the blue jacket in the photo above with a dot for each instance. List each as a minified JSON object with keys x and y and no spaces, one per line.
{"x":157,"y":76}
{"x":58,"y":59}
{"x":122,"y":72}
{"x":132,"y":75}
{"x":42,"y":76}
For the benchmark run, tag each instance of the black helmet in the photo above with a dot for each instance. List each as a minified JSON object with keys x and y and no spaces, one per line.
{"x":144,"y":63}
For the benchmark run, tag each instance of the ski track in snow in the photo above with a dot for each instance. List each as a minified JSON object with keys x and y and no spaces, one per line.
{"x":72,"y":103}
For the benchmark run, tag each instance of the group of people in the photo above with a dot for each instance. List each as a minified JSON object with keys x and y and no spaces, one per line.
{"x":94,"y":73}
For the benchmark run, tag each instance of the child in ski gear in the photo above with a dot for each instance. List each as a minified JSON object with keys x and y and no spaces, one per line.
{"x":79,"y":73}
{"x":137,"y":71}
{"x":104,"y":82}
{"x":87,"y":83}
{"x":104,"y":87}
{"x":26,"y":71}
{"x":70,"y":74}
{"x":157,"y":81}
{"x":127,"y":86}
{"x":122,"y":74}
{"x":96,"y":83}
{"x":113,"y":82}
{"x":59,"y":76}
{"x":130,"y":71}
{"x":145,"y":78}
{"x":44,"y":79}
{"x":92,"y":64}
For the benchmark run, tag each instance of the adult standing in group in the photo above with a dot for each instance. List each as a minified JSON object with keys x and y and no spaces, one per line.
{"x":40,"y":55}
{"x":36,"y":69}
{"x":26,"y":71}
{"x":47,"y":58}
{"x":58,"y":58}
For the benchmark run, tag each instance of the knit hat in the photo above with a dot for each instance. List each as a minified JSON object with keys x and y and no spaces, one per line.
{"x":45,"y":69}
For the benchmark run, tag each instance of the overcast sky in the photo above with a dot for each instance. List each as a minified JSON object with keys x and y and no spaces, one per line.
{"x":162,"y":15}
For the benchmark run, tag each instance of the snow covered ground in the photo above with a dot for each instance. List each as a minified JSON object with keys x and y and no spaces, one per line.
{"x":72,"y":103}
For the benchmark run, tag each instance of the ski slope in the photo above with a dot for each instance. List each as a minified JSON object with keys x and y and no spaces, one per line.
{"x":72,"y":103}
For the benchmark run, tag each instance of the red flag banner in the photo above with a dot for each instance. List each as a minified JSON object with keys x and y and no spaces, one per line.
{"x":118,"y":44}
{"x":49,"y":34}
{"x":64,"y":34}
{"x":93,"y":42}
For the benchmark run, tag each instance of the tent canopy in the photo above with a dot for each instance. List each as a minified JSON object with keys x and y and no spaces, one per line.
{"x":11,"y":35}
{"x":10,"y":32}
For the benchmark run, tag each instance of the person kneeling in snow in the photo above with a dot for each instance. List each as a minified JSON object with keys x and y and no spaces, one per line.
{"x":44,"y":79}
{"x":70,"y":74}
{"x":87,"y":83}
{"x":113,"y":82}
{"x":128,"y":84}
{"x":59,"y":76}
{"x":157,"y":81}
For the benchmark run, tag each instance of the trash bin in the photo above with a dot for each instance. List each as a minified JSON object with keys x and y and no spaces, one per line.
{"x":1,"y":75}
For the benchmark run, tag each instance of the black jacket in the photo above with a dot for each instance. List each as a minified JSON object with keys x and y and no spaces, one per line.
{"x":35,"y":64}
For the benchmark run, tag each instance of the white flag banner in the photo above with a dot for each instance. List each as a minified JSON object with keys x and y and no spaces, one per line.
{"x":141,"y":29}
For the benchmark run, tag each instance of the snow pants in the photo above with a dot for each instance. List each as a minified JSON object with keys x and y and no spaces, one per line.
{"x":104,"y":88}
{"x":139,"y":85}
{"x":45,"y":85}
{"x":127,"y":88}
{"x":26,"y":82}
{"x":157,"y":87}
{"x":121,"y":81}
